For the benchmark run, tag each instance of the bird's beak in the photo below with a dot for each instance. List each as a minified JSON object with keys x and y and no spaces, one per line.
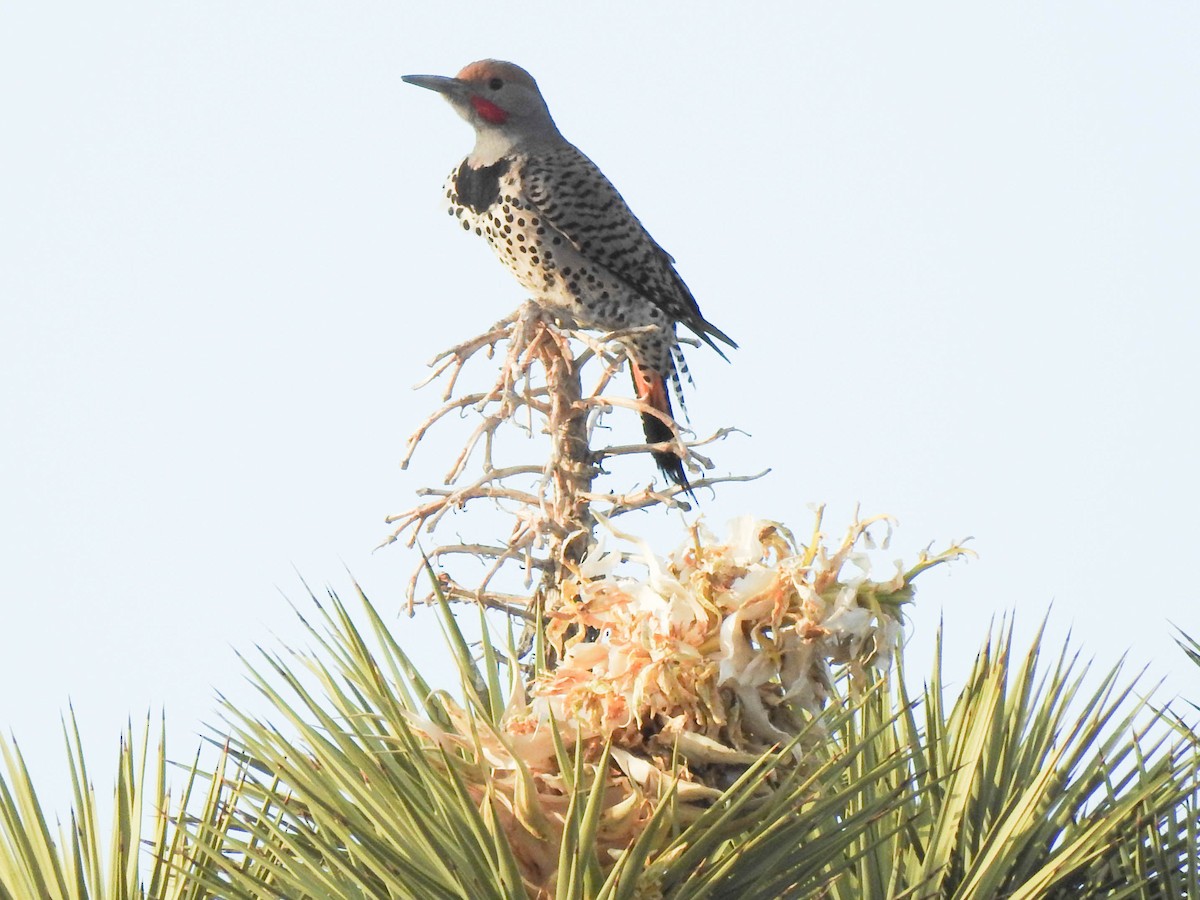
{"x":440,"y":83}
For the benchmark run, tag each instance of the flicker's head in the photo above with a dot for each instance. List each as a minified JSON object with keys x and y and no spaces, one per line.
{"x":499,"y":99}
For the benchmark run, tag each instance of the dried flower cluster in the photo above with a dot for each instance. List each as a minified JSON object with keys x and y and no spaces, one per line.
{"x":721,"y":651}
{"x":688,"y":674}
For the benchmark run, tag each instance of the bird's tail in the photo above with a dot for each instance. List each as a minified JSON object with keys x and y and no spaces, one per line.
{"x":651,"y":389}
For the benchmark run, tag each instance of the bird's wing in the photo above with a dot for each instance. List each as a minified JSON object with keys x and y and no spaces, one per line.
{"x":573,"y":197}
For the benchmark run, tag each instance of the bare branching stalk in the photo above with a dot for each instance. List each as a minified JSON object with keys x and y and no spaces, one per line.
{"x":572,"y":464}
{"x":550,"y":501}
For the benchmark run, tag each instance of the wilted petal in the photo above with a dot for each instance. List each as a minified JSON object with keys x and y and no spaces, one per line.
{"x":745,"y":544}
{"x":598,"y":562}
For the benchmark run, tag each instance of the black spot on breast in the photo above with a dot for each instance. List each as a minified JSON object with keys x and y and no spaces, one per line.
{"x":480,"y":188}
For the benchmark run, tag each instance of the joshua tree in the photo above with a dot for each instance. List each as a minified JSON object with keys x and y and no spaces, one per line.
{"x":717,"y":721}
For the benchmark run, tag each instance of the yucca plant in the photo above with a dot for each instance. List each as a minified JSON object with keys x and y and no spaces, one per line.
{"x":140,"y":853}
{"x":721,"y":721}
{"x":1018,"y":787}
{"x":378,"y":806}
{"x":1029,"y":785}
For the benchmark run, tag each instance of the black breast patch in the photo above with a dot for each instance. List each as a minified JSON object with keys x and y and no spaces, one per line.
{"x":478,"y":189}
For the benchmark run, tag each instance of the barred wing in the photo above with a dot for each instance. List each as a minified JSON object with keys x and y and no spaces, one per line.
{"x":572,"y":196}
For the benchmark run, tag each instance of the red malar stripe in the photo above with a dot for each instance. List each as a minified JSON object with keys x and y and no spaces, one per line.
{"x":490,"y":111}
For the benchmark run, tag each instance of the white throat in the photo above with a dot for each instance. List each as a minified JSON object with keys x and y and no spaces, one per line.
{"x":491,"y":145}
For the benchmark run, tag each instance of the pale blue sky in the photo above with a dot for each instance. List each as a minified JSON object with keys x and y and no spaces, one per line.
{"x":958,"y":246}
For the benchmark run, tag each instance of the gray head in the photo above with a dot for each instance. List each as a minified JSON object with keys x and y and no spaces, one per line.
{"x":503,"y":104}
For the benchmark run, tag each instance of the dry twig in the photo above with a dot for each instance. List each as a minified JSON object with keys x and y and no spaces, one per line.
{"x":538,"y":388}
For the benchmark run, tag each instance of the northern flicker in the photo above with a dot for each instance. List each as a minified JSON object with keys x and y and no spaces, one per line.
{"x":552,"y":217}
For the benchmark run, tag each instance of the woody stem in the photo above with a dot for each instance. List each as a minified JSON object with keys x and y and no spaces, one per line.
{"x":573,"y":466}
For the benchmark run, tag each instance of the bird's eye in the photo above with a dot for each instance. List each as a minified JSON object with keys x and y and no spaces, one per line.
{"x":495,"y":84}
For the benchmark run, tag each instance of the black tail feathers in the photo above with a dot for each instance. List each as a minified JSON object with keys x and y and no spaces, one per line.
{"x":668,"y":461}
{"x":652,"y":390}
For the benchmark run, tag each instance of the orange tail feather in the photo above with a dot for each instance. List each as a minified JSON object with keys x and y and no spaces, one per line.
{"x":651,"y":389}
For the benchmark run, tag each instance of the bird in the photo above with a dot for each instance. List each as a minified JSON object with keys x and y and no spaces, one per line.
{"x":571,"y":240}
